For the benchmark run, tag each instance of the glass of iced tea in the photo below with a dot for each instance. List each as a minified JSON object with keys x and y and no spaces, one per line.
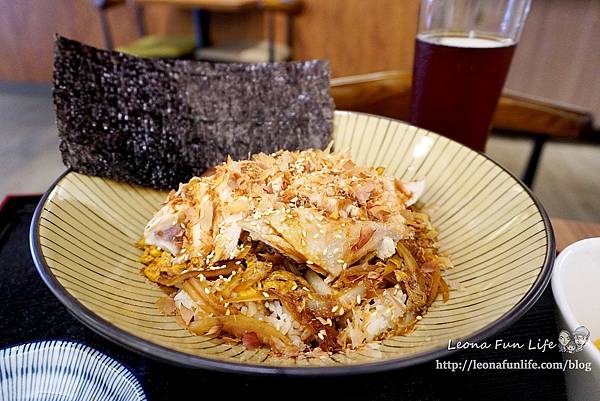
{"x":462,"y":54}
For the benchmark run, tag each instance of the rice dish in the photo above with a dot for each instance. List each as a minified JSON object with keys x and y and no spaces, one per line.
{"x":298,"y":251}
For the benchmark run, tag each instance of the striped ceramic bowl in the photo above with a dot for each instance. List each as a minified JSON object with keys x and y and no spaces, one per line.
{"x":64,"y":371}
{"x":495,"y":231}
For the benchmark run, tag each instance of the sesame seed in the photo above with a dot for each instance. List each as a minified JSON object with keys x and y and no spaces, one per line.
{"x":303,"y":242}
{"x":238,"y":262}
{"x":265,"y":294}
{"x":334,"y":309}
{"x":304,"y":233}
{"x":226,"y":304}
{"x":358,"y":299}
{"x":342,"y":311}
{"x":294,"y":287}
{"x":340,"y":236}
{"x":319,"y":225}
{"x":310,"y":262}
{"x":227,"y":312}
{"x":419,"y":317}
{"x":321,"y":336}
{"x":322,"y":231}
{"x":316,"y":236}
{"x":340,"y":261}
{"x":345,"y":265}
{"x":336,"y":250}
{"x":324,"y":251}
{"x":329,"y":322}
{"x":206,"y":291}
{"x":305,"y":289}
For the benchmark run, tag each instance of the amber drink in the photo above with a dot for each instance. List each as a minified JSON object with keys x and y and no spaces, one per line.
{"x":463,"y":52}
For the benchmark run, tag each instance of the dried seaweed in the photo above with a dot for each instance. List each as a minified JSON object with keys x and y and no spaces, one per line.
{"x":159,"y":122}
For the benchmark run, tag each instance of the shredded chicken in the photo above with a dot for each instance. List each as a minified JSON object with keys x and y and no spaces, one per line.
{"x":332,"y":253}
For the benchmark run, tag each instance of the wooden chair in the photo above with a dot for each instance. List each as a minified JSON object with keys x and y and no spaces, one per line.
{"x":262,"y":51}
{"x":388,"y":93}
{"x":151,"y":46}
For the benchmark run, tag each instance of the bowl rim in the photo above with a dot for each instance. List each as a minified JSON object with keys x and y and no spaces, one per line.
{"x":164,"y":354}
{"x":126,"y":373}
{"x":560,"y":296}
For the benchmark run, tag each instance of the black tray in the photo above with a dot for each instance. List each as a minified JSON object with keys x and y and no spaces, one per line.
{"x":28,"y":312}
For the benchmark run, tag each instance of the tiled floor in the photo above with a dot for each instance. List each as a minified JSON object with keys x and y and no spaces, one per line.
{"x":568,"y":181}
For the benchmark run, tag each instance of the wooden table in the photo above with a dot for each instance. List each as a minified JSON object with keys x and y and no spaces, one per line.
{"x":569,"y":231}
{"x":208,"y":5}
{"x":388,"y":93}
{"x":200,"y":10}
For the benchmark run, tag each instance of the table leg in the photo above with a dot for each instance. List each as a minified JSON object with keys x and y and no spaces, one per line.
{"x":201,"y":27}
{"x":271,"y":36}
{"x":534,"y":159}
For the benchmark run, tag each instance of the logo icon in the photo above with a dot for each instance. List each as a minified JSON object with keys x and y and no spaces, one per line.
{"x":573,"y":342}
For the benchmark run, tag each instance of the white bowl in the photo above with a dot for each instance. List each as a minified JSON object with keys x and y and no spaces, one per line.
{"x":64,"y":371}
{"x":576,"y":288}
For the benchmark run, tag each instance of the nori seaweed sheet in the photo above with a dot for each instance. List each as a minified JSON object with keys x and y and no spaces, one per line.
{"x":159,"y":122}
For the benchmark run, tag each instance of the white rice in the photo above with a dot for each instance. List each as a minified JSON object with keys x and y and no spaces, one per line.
{"x":364,"y":324}
{"x":275,"y":314}
{"x":369,"y":321}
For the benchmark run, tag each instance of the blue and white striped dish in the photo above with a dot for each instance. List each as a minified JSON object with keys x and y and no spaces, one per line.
{"x":64,"y":371}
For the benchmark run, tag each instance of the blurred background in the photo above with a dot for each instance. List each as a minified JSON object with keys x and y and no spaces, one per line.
{"x":557,"y":61}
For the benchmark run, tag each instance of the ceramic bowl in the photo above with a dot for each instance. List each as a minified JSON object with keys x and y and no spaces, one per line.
{"x":64,"y":371}
{"x":497,"y":234}
{"x":576,"y":289}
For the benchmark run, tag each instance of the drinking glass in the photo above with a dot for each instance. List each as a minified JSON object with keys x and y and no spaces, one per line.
{"x":463,"y":52}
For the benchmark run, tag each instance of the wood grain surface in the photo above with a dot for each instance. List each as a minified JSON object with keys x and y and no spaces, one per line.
{"x":541,"y":116}
{"x":570,"y":231}
{"x":384,"y":93}
{"x":388,"y":94}
{"x":27,"y":28}
{"x":211,"y":5}
{"x":557,"y":57}
{"x":355,"y":35}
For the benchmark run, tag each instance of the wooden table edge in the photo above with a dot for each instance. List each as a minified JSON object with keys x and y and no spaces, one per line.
{"x":569,"y":231}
